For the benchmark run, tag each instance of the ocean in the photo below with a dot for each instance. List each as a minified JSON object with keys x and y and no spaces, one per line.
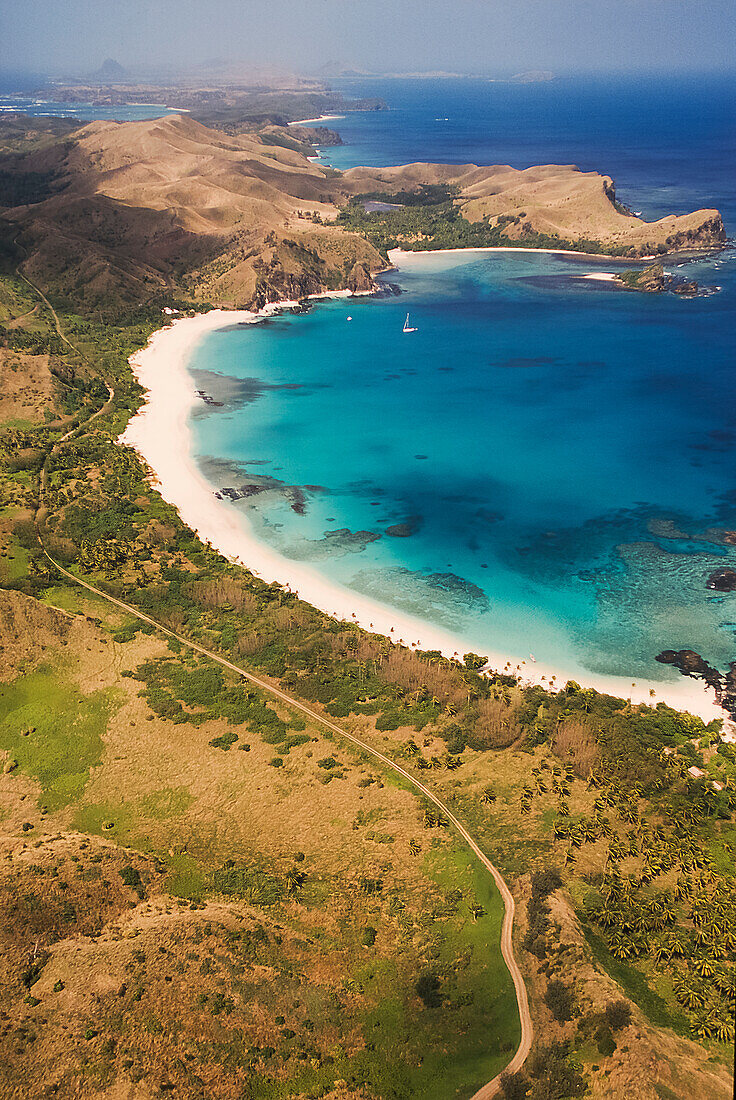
{"x":547,"y":465}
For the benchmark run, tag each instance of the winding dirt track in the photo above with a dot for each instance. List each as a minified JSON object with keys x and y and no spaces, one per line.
{"x":507,"y":948}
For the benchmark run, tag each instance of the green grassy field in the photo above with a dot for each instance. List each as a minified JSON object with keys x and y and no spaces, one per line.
{"x":53,"y":732}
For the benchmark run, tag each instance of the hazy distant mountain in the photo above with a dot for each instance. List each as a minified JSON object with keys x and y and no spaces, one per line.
{"x":110,"y":72}
{"x":533,"y":76}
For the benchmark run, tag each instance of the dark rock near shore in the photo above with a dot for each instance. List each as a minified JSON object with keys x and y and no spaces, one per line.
{"x":722,"y":580}
{"x":208,"y":400}
{"x":692,"y":664}
{"x":387,"y":290}
{"x":653,"y":280}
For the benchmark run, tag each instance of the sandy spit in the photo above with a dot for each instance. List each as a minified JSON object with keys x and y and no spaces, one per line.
{"x":307,"y":121}
{"x":401,"y":258}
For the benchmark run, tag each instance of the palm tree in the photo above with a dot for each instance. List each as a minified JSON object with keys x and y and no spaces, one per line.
{"x":294,"y":880}
{"x":660,"y":953}
{"x":704,"y":967}
{"x":725,"y":1031}
{"x":691,"y":997}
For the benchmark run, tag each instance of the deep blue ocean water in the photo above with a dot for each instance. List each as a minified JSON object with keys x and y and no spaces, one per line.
{"x":547,"y":464}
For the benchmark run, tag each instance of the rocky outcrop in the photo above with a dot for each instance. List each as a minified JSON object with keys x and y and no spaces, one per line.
{"x":723,"y":580}
{"x":692,"y":664}
{"x":709,"y":233}
{"x":654,"y":280}
{"x":317,"y":135}
{"x":360,"y":280}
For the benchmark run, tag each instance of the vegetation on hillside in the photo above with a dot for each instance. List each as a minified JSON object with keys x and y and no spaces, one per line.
{"x":429,"y":218}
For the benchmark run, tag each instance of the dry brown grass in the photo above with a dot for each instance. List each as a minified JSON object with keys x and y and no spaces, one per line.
{"x":27,"y":387}
{"x":214,"y":594}
{"x":496,"y":727}
{"x":575,"y":743}
{"x":413,"y":673}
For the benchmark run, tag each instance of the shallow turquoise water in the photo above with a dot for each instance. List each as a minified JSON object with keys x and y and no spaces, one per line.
{"x":546,"y":465}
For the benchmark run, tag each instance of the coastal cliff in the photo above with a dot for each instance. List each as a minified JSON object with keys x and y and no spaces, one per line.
{"x":122,"y":213}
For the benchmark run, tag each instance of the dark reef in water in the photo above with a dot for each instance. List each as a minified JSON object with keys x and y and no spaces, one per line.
{"x":334,"y":544}
{"x":404,"y":530}
{"x":210,"y":400}
{"x":723,"y":580}
{"x":223,"y":391}
{"x":690,"y":663}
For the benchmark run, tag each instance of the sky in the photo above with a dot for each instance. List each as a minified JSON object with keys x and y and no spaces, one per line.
{"x":490,"y":37}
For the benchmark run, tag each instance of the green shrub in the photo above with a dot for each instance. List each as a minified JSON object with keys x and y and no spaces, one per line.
{"x":560,"y":1001}
{"x":427,"y":987}
{"x":618,"y":1015}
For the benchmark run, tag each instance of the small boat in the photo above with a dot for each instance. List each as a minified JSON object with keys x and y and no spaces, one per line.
{"x":532,"y":658}
{"x":407,"y":327}
{"x":349,"y":318}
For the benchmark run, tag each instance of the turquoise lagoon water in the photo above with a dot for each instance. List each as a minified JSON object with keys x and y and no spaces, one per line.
{"x":547,"y":465}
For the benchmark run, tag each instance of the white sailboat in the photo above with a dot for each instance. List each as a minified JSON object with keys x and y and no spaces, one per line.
{"x":407,"y":326}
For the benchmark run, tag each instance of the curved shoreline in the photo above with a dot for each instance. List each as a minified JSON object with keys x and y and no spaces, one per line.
{"x":161,"y":435}
{"x":404,"y":255}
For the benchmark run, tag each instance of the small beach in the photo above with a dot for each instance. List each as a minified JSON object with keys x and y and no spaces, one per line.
{"x":161,"y":433}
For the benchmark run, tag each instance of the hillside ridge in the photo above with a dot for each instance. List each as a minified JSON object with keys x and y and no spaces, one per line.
{"x":121,"y":212}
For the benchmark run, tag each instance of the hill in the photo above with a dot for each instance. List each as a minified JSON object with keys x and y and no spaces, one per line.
{"x":110,"y":72}
{"x":551,"y":205}
{"x":120,"y":213}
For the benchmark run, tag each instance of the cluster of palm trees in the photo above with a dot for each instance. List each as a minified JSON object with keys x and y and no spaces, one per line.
{"x":102,"y":555}
{"x":409,"y":750}
{"x":433,"y":819}
{"x":558,"y":782}
{"x":687,"y":929}
{"x":671,"y":905}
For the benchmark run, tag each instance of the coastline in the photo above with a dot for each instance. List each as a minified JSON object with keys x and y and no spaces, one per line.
{"x":161,"y":435}
{"x":308,"y":121}
{"x":404,"y":256}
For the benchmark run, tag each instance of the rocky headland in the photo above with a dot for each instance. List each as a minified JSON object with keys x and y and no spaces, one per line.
{"x":690,"y":663}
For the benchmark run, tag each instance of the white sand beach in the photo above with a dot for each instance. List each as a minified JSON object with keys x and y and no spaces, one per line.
{"x":399,"y":256}
{"x":309,"y":121}
{"x":160,"y":433}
